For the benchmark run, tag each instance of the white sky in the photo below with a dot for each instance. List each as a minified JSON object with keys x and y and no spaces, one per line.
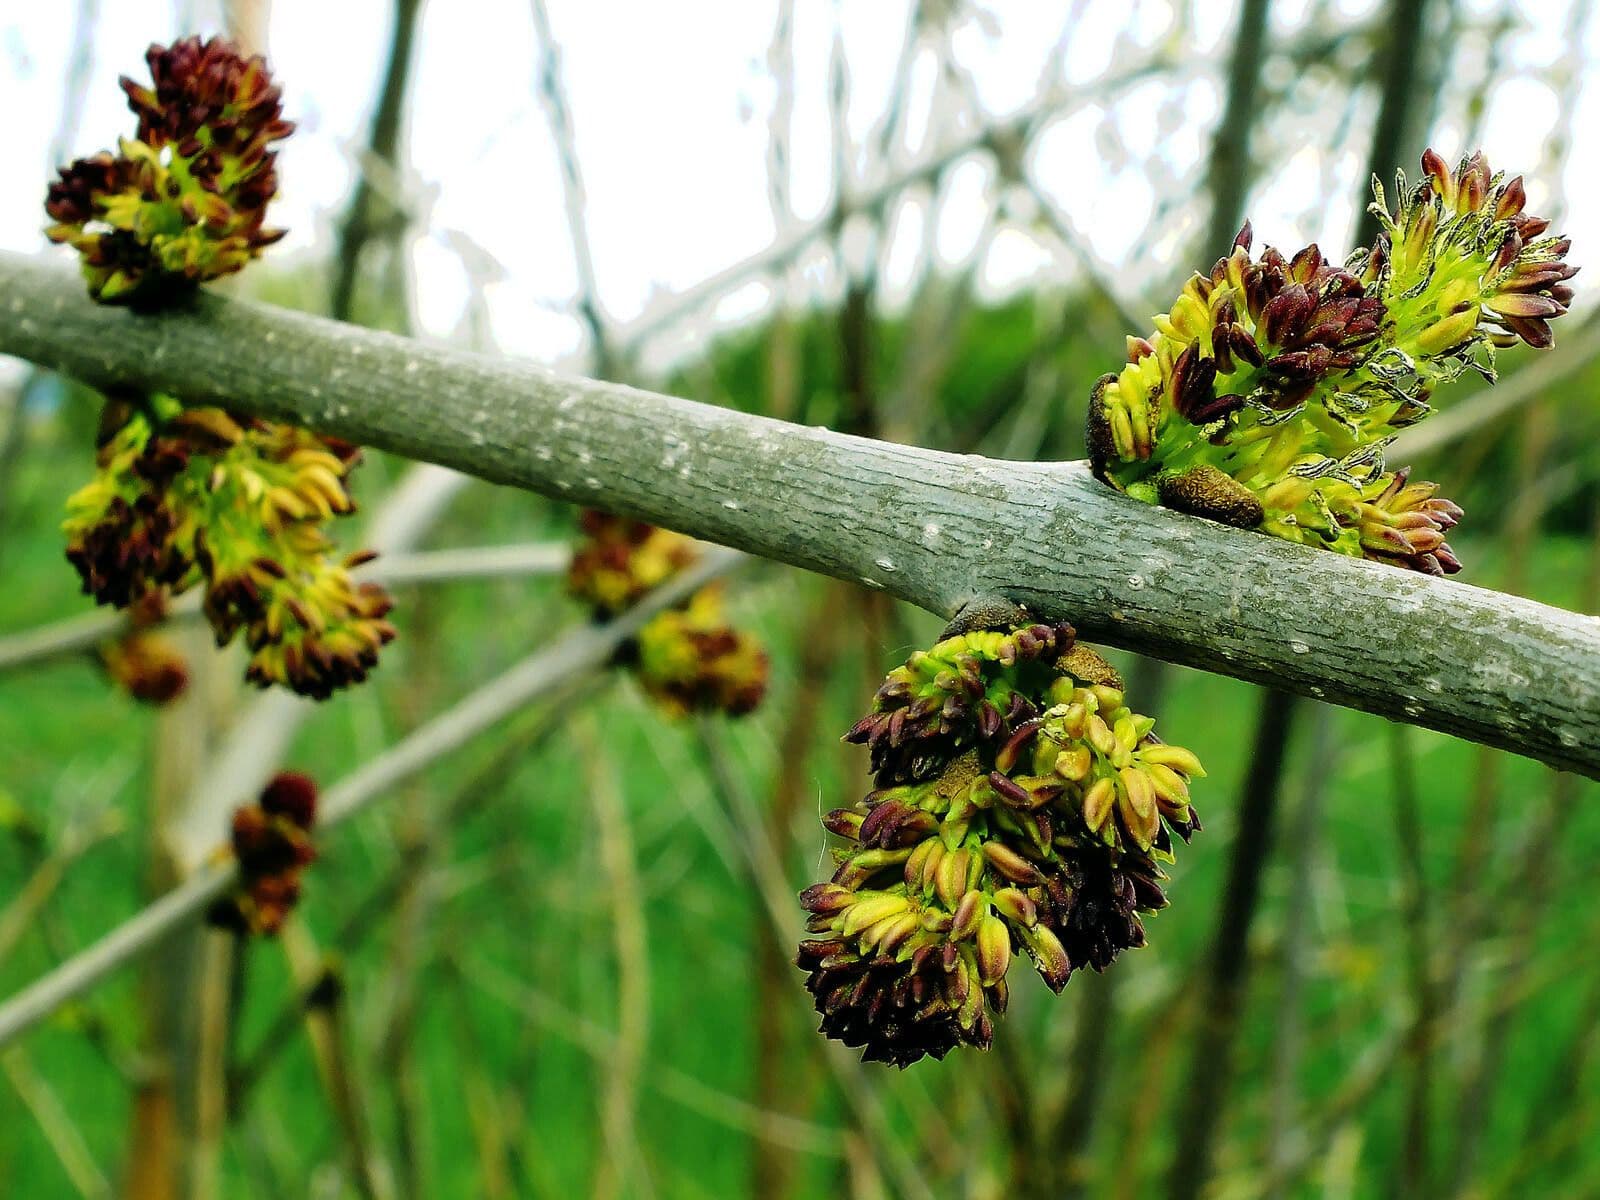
{"x":671,"y":102}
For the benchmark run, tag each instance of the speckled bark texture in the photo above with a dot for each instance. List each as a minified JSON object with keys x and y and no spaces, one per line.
{"x":932,"y":528}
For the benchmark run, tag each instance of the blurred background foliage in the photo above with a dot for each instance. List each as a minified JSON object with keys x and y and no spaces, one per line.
{"x":557,"y":962}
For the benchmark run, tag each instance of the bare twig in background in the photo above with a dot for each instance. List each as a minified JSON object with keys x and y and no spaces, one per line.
{"x":246,"y":22}
{"x":1093,"y":270}
{"x":65,"y":1138}
{"x":1303,"y":835}
{"x":876,"y":199}
{"x":477,"y":790}
{"x":374,"y":215}
{"x":213,"y":998}
{"x":573,"y":654}
{"x":26,"y":904}
{"x":83,"y":633}
{"x":1362,"y":1081}
{"x":1415,"y":925}
{"x":1403,"y":104}
{"x":1063,"y":1167}
{"x":327,"y":1024}
{"x":1221,"y":1003}
{"x":774,"y":889}
{"x":1231,"y":169}
{"x":553,"y":95}
{"x":551,"y":1017}
{"x":775,"y":1076}
{"x":621,"y":1169}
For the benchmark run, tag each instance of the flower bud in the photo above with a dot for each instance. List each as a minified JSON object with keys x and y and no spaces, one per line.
{"x":994,"y":949}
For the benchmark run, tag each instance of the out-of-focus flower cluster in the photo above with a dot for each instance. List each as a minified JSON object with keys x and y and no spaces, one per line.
{"x":688,"y":658}
{"x":1266,"y":397}
{"x":184,"y":200}
{"x":142,"y":661}
{"x":272,"y":841}
{"x":1022,"y":808}
{"x":186,"y":497}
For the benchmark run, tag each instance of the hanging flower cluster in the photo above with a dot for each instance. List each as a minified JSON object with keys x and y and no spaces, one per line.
{"x":201,"y":496}
{"x":185,"y":497}
{"x":272,"y":841}
{"x":144,"y":662}
{"x":1022,"y":808}
{"x":184,"y":200}
{"x":1266,"y":397}
{"x":689,"y":658}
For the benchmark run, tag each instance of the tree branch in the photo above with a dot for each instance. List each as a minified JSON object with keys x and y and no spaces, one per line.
{"x":570,"y":656}
{"x":931,"y":528}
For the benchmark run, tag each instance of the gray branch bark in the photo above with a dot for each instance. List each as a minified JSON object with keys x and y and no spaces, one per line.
{"x":931,"y":528}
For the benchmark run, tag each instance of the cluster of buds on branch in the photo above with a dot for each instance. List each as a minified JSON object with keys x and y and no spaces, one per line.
{"x":689,"y":658}
{"x":185,"y":497}
{"x":201,"y":496}
{"x":144,"y":662}
{"x":184,"y":200}
{"x":272,"y":841}
{"x":1267,"y":395}
{"x":1022,"y":808}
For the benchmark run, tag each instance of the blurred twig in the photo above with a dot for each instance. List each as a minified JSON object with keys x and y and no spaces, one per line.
{"x":23,"y":908}
{"x":65,"y":1138}
{"x":553,"y":95}
{"x":82,"y":633}
{"x":1231,"y":168}
{"x":370,"y":216}
{"x":1402,"y":105}
{"x":569,"y":657}
{"x":1415,"y":925}
{"x":1366,"y":1077}
{"x":1304,"y":835}
{"x":1221,"y":1004}
{"x":775,"y":1078}
{"x":621,"y":1170}
{"x":878,"y":198}
{"x":515,"y":746}
{"x":767,"y":874}
{"x":327,"y":1028}
{"x":549,"y":1015}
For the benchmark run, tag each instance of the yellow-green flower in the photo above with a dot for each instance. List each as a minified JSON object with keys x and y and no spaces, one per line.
{"x":1266,"y":397}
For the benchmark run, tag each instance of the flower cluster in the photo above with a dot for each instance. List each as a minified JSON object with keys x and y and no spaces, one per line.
{"x":1266,"y":397}
{"x":185,"y":199}
{"x":1022,"y":808}
{"x":620,"y":560}
{"x":142,"y":661}
{"x":190,"y":496}
{"x":198,"y":496}
{"x":272,"y":841}
{"x":689,"y":658}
